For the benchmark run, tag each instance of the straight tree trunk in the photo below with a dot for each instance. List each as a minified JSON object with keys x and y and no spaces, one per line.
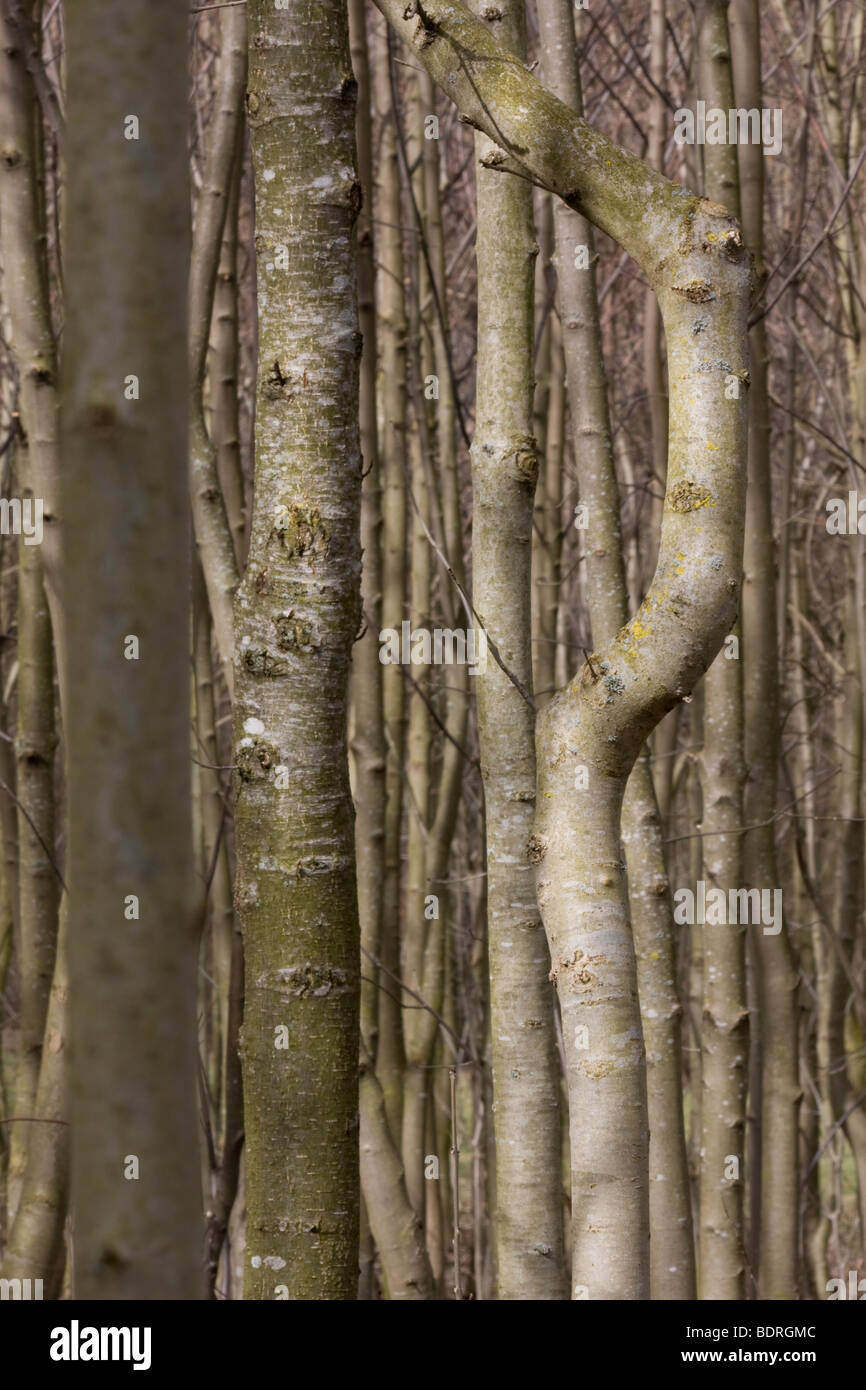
{"x":391,"y":331}
{"x":136,"y":1193}
{"x":724,"y":1021}
{"x":526,"y":1089}
{"x":296,"y":616}
{"x":223,"y":361}
{"x":38,"y":873}
{"x":26,"y":296}
{"x":778,"y":979}
{"x":36,"y":1248}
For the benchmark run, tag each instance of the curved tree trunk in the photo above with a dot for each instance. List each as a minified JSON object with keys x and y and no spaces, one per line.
{"x":692,"y":254}
{"x":210,"y":517}
{"x":672,"y":1249}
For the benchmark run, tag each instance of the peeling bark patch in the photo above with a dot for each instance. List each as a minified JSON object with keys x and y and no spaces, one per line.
{"x":536,"y":848}
{"x":526,"y":463}
{"x":322,"y":864}
{"x":596,"y":1070}
{"x":686,"y":496}
{"x":731,"y":242}
{"x":301,"y":530}
{"x":254,"y":759}
{"x":697,"y":291}
{"x":261,"y":662}
{"x":276,"y":383}
{"x":581,"y":976}
{"x":294,"y":633}
{"x":315,"y":981}
{"x":425,"y":29}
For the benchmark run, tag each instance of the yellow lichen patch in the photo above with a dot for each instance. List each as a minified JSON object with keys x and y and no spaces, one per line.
{"x":711,"y":445}
{"x":639,"y":630}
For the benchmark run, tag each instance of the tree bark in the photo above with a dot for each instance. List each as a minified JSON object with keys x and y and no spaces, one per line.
{"x":216,"y":543}
{"x":391,"y":340}
{"x":672,"y":1250}
{"x":691,"y":251}
{"x":778,"y":978}
{"x":724,"y":1021}
{"x":296,"y":615}
{"x":528,"y":1216}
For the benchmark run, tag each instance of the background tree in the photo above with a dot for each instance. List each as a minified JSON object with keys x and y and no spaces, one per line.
{"x":126,"y":583}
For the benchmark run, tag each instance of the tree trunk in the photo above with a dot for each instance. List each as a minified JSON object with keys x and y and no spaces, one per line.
{"x":296,"y":615}
{"x":724,"y":1015}
{"x":778,"y":979}
{"x":528,"y":1214}
{"x":136,"y":1194}
{"x":672,"y":1251}
{"x":599,"y":723}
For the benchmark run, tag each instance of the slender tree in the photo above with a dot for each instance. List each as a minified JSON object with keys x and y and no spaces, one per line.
{"x":528,"y":1218}
{"x":598,"y":724}
{"x":777,"y":977}
{"x":724,"y":1021}
{"x":296,"y":616}
{"x":136,"y":1195}
{"x":672,"y":1274}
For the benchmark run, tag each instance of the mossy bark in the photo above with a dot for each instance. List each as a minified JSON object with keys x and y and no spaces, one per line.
{"x":296,"y":616}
